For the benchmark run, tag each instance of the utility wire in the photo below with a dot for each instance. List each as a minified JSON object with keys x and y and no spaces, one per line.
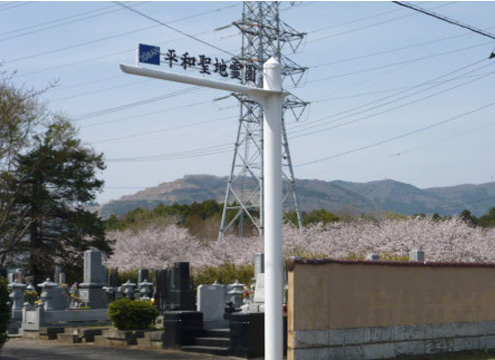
{"x":28,"y":57}
{"x":105,"y":79}
{"x":133,"y":104}
{"x":55,"y":20}
{"x":368,"y":26}
{"x":75,"y":96}
{"x":375,"y":102}
{"x":173,"y":28}
{"x":399,"y":136}
{"x":387,"y":110}
{"x":384,"y":52}
{"x":62,"y":24}
{"x":146,"y":114}
{"x":15,"y":5}
{"x":197,"y":152}
{"x":381,"y":67}
{"x":153,"y":132}
{"x":409,"y":87}
{"x":444,"y":18}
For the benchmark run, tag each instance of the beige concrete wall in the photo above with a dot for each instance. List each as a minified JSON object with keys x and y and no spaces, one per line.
{"x":339,"y":296}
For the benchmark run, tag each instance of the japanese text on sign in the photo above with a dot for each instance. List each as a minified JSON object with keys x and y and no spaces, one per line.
{"x":206,"y":65}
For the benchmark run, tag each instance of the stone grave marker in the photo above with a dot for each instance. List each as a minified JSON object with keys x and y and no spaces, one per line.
{"x":143,"y":274}
{"x":259,"y":264}
{"x":211,"y":301}
{"x":91,"y":290}
{"x":181,"y":292}
{"x":259,"y":291}
{"x":417,"y":255}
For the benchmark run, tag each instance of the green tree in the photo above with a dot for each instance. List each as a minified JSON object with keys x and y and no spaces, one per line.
{"x":21,"y":117}
{"x":488,"y":220}
{"x":59,"y":178}
{"x":4,"y":311}
{"x":469,"y":218}
{"x":319,"y":216}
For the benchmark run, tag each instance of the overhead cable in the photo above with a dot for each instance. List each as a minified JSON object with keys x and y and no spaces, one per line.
{"x":399,"y":136}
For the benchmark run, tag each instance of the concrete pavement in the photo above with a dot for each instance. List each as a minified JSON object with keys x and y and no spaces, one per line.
{"x":20,"y":349}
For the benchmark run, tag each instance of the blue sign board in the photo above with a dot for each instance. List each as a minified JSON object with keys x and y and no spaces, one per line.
{"x":149,"y":54}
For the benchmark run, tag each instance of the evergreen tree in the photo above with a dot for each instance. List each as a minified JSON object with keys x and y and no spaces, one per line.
{"x":58,"y":179}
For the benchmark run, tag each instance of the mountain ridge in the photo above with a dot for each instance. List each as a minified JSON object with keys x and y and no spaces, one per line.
{"x":337,"y":196}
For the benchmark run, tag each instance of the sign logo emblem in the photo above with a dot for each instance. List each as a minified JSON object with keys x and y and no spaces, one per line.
{"x":149,"y":54}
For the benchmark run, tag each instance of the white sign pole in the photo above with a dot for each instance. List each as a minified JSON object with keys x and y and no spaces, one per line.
{"x":272,"y":158}
{"x":270,"y":97}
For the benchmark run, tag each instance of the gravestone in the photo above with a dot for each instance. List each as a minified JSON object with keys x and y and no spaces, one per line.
{"x":59,"y":276}
{"x":19,"y":275}
{"x":373,"y":257}
{"x":211,"y":301}
{"x":417,"y":255}
{"x":91,"y":290}
{"x":113,"y":278}
{"x":259,"y":290}
{"x":181,"y":294}
{"x":161,"y":288}
{"x":143,"y":274}
{"x":259,"y":264}
{"x":56,"y":276}
{"x":258,"y":304}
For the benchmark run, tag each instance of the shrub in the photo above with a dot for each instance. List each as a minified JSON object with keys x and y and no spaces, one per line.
{"x":132,"y":314}
{"x":225,"y":274}
{"x":4,"y":311}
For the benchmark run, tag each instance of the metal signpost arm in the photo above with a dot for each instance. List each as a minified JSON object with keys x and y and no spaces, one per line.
{"x":271,"y":98}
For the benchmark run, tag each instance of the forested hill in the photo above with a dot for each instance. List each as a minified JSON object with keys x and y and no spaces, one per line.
{"x":335,"y":196}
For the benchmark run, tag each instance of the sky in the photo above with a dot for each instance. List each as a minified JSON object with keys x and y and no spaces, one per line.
{"x":393,"y":93}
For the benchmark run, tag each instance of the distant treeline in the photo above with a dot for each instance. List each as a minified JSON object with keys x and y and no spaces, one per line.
{"x":203,"y":219}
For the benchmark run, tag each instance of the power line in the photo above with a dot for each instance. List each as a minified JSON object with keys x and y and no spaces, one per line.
{"x":62,"y":24}
{"x":146,"y":114}
{"x":197,"y":152}
{"x":381,"y":67}
{"x":409,"y":87}
{"x":399,"y":136}
{"x":105,"y":79}
{"x":173,"y":28}
{"x":55,"y":20}
{"x":15,"y":5}
{"x":133,"y":104}
{"x":355,"y":21}
{"x":114,"y":36}
{"x":153,"y":132}
{"x":133,"y":83}
{"x":375,"y":102}
{"x":29,"y":57}
{"x":370,"y":25}
{"x":444,"y":18}
{"x":367,"y":56}
{"x":387,"y":110}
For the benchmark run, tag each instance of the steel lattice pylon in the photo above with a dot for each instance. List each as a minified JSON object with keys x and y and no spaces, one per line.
{"x":264,"y":36}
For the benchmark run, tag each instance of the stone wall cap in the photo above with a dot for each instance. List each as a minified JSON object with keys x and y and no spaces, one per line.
{"x":291,"y":263}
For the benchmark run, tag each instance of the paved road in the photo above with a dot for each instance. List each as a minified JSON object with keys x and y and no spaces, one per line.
{"x":20,"y":349}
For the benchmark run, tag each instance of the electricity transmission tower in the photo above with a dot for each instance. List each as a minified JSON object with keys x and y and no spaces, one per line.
{"x":264,"y":35}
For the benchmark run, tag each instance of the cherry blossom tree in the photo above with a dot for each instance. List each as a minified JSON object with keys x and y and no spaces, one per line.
{"x":450,"y":240}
